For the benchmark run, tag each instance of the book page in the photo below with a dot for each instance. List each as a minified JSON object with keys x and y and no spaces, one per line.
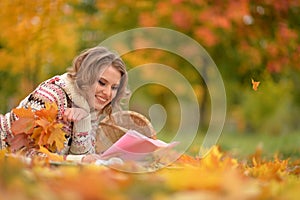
{"x":135,"y":146}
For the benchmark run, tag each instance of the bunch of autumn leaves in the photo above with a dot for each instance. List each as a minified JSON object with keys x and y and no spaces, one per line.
{"x":37,"y":129}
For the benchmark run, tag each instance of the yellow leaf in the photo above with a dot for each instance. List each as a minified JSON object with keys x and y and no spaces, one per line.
{"x":51,"y":109}
{"x":57,"y":137}
{"x":49,"y":113}
{"x":51,"y":156}
{"x":255,"y":84}
{"x":36,"y":133}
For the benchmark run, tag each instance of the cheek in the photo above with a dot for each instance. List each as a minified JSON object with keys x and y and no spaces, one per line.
{"x":114,"y":94}
{"x":97,"y":88}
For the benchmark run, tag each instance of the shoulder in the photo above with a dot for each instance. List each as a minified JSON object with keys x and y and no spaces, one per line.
{"x":49,"y":92}
{"x":58,"y":80}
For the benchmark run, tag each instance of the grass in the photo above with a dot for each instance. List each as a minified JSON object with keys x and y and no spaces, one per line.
{"x":242,"y":146}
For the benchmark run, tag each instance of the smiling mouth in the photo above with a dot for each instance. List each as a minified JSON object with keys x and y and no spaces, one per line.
{"x":101,"y":99}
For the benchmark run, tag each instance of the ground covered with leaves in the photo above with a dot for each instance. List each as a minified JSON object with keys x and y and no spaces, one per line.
{"x":216,"y":176}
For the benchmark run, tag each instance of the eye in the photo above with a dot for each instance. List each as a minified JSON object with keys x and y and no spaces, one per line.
{"x":101,"y":83}
{"x":116,"y":87}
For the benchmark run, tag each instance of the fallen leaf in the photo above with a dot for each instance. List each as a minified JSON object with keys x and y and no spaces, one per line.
{"x":255,"y":84}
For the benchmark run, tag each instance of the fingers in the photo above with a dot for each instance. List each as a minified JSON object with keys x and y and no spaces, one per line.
{"x":91,"y":158}
{"x":74,"y":114}
{"x":67,"y":115}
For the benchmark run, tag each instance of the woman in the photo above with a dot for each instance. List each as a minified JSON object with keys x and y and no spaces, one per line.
{"x":94,"y":85}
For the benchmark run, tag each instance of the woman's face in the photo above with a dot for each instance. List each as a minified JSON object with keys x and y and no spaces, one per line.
{"x":106,"y":87}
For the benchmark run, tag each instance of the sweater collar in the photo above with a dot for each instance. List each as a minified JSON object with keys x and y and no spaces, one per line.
{"x":73,"y":93}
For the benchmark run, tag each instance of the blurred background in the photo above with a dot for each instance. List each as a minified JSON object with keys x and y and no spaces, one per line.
{"x":247,"y":39}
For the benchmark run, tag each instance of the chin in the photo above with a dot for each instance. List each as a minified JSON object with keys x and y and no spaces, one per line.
{"x":100,"y":107}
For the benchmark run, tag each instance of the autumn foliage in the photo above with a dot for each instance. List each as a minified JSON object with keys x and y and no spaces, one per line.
{"x":216,"y":176}
{"x":255,"y":45}
{"x":246,"y":39}
{"x":38,"y":129}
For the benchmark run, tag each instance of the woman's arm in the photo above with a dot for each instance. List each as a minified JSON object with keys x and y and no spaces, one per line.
{"x":83,"y":139}
{"x":79,"y":124}
{"x":5,"y":125}
{"x":52,"y":93}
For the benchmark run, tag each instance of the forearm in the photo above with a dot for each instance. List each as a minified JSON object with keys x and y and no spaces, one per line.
{"x":5,"y":128}
{"x":82,"y":143}
{"x":83,"y":139}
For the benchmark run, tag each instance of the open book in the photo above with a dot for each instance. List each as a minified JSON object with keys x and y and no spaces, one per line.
{"x":137,"y":147}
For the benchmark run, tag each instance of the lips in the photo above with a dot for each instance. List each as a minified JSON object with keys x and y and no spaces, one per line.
{"x":101,"y":99}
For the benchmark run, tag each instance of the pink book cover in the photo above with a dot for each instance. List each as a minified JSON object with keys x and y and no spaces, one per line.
{"x":135,"y":146}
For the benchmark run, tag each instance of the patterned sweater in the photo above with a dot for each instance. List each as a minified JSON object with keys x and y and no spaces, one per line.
{"x":59,"y":89}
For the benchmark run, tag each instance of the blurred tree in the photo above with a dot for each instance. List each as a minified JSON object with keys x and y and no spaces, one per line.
{"x":37,"y":40}
{"x":246,"y":38}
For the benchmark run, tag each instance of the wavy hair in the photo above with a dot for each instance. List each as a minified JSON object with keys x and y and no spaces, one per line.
{"x":92,"y":62}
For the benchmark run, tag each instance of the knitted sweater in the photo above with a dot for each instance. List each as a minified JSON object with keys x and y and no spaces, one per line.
{"x":61,"y":90}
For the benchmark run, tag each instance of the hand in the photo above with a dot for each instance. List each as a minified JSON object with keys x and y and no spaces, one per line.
{"x":74,"y":114}
{"x":91,"y":158}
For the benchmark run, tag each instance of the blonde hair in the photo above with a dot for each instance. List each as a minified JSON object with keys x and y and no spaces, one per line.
{"x":92,"y":62}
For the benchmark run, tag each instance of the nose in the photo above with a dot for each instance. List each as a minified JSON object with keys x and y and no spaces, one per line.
{"x":107,"y":91}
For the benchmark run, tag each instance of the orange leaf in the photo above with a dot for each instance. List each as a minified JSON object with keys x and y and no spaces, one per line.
{"x":49,"y":113}
{"x":43,"y":123}
{"x":43,"y":138}
{"x":51,"y":156}
{"x":51,"y":109}
{"x":23,"y":112}
{"x":57,"y":136}
{"x":22,"y":125}
{"x":18,"y":141}
{"x":25,"y":121}
{"x":255,"y":84}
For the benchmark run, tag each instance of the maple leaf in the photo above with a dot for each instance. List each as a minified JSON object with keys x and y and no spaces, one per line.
{"x":40,"y":127}
{"x":57,"y":136}
{"x":49,"y":113}
{"x":51,"y":156}
{"x":44,"y":123}
{"x":43,"y":138}
{"x":45,"y":132}
{"x":188,"y":160}
{"x":36,"y":133}
{"x":255,"y":84}
{"x":269,"y":170}
{"x":18,"y":141}
{"x":25,"y":122}
{"x":23,"y":112}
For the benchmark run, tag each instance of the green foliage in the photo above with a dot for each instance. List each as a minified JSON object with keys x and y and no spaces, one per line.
{"x":7,"y":89}
{"x":270,"y":109}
